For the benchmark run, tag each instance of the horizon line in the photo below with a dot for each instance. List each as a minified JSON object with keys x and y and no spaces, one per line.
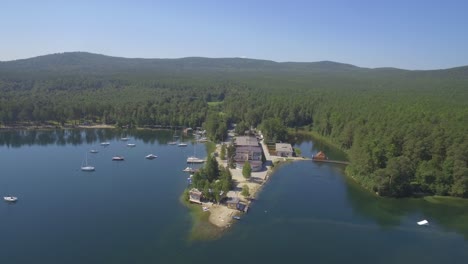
{"x":238,"y":57}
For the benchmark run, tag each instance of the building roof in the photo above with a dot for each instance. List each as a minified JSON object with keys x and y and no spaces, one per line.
{"x":195,"y":191}
{"x":253,"y":163}
{"x":284,"y":147}
{"x":233,"y":200}
{"x":246,"y":141}
{"x":257,"y":149}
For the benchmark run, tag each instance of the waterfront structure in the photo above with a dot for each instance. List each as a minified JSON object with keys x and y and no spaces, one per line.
{"x":319,"y":156}
{"x":246,"y":141}
{"x":284,"y":150}
{"x":247,"y":149}
{"x":195,"y":196}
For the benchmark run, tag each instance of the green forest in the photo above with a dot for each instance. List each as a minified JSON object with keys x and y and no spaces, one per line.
{"x":405,"y":132}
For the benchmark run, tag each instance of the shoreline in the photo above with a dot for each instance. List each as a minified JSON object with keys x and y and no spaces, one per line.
{"x":221,"y":215}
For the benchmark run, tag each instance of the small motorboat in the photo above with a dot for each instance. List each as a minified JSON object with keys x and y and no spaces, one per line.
{"x":182,"y":145}
{"x":188,"y":169}
{"x":172,"y":143}
{"x":131,"y":145}
{"x":105,"y":144}
{"x":118,"y":158}
{"x":124,"y":139}
{"x":151,"y":156}
{"x":205,"y":208}
{"x":10,"y":199}
{"x":423,"y":222}
{"x":236,"y":217}
{"x":93,"y":151}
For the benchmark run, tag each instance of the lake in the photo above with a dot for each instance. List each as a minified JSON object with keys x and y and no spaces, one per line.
{"x":129,"y":212}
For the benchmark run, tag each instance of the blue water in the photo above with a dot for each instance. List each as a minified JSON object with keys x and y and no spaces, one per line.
{"x":129,"y":212}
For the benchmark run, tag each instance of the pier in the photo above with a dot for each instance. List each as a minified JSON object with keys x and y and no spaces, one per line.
{"x":332,"y":161}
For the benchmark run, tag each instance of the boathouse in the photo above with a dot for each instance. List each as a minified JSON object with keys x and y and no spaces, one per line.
{"x":284,"y":150}
{"x":195,"y":196}
{"x":320,"y":156}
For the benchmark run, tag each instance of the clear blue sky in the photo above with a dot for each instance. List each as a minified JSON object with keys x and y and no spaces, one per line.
{"x":411,"y":34}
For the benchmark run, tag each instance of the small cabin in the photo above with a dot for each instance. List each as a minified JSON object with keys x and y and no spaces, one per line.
{"x":320,"y":156}
{"x":195,"y":196}
{"x":284,"y":150}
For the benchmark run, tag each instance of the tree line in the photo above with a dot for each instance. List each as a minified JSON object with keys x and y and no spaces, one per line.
{"x":405,"y":133}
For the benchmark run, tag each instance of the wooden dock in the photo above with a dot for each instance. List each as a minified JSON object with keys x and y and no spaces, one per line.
{"x":332,"y":161}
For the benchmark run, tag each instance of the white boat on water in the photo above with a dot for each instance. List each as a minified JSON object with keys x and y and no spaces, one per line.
{"x":151,"y":156}
{"x":423,"y":222}
{"x":188,"y":169}
{"x":118,"y":158}
{"x":93,"y":151}
{"x":205,"y":208}
{"x":193,"y":159}
{"x":105,"y":144}
{"x":182,"y":145}
{"x":172,"y":143}
{"x":124,"y":139}
{"x":85,"y":166}
{"x":131,"y":145}
{"x":11,"y":199}
{"x":203,"y":139}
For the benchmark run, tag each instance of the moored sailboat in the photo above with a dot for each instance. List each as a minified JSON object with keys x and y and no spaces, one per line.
{"x":86,"y":167}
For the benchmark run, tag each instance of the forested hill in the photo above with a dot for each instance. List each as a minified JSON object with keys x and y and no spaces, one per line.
{"x":70,"y":63}
{"x":405,"y":131}
{"x":101,"y":64}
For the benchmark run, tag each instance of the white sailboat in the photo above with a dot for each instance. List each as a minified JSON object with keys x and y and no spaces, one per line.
{"x":194,"y":159}
{"x":86,"y":167}
{"x":182,"y":144}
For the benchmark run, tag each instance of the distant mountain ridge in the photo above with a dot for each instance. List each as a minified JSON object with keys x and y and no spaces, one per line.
{"x":84,"y":62}
{"x":74,"y":60}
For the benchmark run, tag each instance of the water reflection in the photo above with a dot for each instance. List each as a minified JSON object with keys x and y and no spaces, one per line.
{"x":448,"y":213}
{"x":18,"y":138}
{"x":310,"y":146}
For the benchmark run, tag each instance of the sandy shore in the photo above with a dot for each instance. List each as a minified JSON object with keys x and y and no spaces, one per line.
{"x":220,"y":215}
{"x":97,"y":126}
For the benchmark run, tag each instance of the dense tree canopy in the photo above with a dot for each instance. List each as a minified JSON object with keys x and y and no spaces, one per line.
{"x":405,"y":131}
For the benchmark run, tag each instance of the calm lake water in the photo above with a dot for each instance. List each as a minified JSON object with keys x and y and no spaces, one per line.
{"x":129,"y":212}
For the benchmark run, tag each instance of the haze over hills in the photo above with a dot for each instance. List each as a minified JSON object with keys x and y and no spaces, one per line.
{"x":71,"y":63}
